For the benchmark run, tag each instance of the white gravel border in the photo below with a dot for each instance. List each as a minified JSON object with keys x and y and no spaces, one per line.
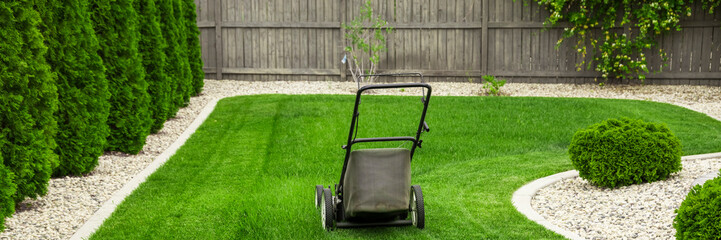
{"x":523,"y":196}
{"x":71,"y":201}
{"x":119,"y":196}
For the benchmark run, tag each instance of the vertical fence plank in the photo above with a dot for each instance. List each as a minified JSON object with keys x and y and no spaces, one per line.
{"x":218,"y":40}
{"x":484,"y":37}
{"x":433,"y":41}
{"x":342,"y":8}
{"x":229,"y":39}
{"x":329,"y":39}
{"x":716,"y":52}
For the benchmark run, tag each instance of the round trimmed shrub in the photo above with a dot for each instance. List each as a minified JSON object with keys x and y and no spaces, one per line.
{"x":699,"y":216}
{"x":621,"y":152}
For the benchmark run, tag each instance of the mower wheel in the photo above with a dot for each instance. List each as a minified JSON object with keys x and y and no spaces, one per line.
{"x":418,"y":214}
{"x":318,"y":193}
{"x":326,"y":211}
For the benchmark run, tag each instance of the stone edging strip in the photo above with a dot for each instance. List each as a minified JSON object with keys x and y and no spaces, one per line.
{"x":97,"y":219}
{"x":522,"y":197}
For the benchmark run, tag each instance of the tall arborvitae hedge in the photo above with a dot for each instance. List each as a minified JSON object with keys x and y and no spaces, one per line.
{"x":7,"y":187}
{"x":82,"y":88}
{"x":152,"y":49}
{"x":192,"y":36}
{"x":116,"y":25}
{"x":171,"y":27}
{"x":28,"y":100}
{"x":185,"y":86}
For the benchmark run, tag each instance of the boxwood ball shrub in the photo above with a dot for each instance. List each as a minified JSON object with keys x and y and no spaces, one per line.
{"x":620,"y":152}
{"x":28,"y":100}
{"x":699,"y":216}
{"x":82,"y":87}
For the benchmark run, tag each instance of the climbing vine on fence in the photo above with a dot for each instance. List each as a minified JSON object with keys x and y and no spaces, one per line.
{"x":614,"y":34}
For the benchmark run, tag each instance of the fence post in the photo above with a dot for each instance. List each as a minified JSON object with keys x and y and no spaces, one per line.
{"x":341,"y":39}
{"x":484,"y":38}
{"x":218,"y":40}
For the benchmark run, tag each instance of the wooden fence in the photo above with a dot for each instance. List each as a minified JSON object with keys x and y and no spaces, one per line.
{"x":447,"y":40}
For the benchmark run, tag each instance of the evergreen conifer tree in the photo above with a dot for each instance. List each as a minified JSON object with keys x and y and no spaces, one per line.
{"x":82,"y":87}
{"x":185,"y":86}
{"x":28,"y":100}
{"x":170,"y":25}
{"x":152,"y":49}
{"x":194,"y":57}
{"x":7,"y":189}
{"x":116,"y":26}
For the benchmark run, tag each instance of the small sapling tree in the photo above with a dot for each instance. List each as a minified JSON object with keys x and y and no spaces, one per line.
{"x":367,"y":35}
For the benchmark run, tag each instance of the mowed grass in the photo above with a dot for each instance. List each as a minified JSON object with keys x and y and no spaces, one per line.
{"x":249,"y":171}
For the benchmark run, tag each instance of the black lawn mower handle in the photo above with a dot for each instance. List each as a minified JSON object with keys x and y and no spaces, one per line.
{"x":416,"y":140}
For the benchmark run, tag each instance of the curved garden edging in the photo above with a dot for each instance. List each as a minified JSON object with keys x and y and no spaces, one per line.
{"x":104,"y":212}
{"x":522,"y":197}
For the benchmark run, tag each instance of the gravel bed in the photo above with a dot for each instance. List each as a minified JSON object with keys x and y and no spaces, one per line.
{"x":644,"y":211}
{"x":72,"y":200}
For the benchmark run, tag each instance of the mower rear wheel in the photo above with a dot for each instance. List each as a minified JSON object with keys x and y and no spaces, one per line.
{"x":418,"y":214}
{"x":318,"y":193}
{"x":326,"y":211}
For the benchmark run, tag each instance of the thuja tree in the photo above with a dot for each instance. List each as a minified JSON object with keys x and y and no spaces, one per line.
{"x":152,"y":49}
{"x":618,"y":31}
{"x":28,"y":100}
{"x":176,"y":66}
{"x":194,"y":55}
{"x":185,"y":86}
{"x":129,"y":120}
{"x":82,"y":87}
{"x":366,"y":43}
{"x":7,"y":189}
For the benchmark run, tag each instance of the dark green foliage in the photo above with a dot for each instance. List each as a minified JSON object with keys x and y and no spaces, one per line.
{"x":7,"y":189}
{"x":28,"y":100}
{"x":185,"y":86}
{"x":620,"y":152}
{"x":116,"y":26}
{"x":177,"y":68}
{"x":152,"y":49}
{"x":192,"y":34}
{"x":699,"y":216}
{"x":82,"y":88}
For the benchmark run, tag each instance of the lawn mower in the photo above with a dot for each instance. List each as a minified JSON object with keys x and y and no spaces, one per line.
{"x":375,"y":184}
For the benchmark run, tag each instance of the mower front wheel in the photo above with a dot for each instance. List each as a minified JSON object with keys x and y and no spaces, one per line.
{"x":326,"y":210}
{"x":318,"y":195}
{"x":418,"y":214}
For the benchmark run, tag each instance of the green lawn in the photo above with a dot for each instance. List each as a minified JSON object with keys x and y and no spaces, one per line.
{"x":250,"y":170}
